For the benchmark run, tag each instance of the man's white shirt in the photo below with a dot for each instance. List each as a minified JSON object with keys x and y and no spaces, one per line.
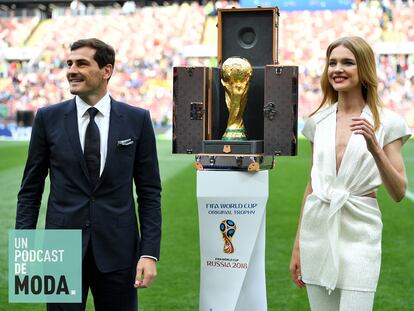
{"x":101,"y":119}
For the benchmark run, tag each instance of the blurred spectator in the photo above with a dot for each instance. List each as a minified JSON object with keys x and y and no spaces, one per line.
{"x":128,"y":7}
{"x":77,"y":8}
{"x":90,"y":9}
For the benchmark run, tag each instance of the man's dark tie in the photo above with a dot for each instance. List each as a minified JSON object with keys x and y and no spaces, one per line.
{"x":92,"y":148}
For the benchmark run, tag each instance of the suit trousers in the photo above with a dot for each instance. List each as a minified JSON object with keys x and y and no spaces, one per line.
{"x":112,"y":291}
{"x":339,"y":299}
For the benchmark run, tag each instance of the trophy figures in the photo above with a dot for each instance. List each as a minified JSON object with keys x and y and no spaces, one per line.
{"x":235,"y":78}
{"x":228,"y":229}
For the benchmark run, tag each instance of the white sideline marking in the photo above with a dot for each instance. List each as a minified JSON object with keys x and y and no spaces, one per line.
{"x":409,"y":195}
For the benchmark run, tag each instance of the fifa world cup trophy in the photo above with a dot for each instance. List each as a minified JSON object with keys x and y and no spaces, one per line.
{"x":235,"y":78}
{"x":228,"y":229}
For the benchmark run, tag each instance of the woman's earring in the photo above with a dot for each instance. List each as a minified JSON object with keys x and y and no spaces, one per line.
{"x":364,"y":84}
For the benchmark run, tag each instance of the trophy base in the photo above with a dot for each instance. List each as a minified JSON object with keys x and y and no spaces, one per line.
{"x":240,"y":147}
{"x":219,"y":162}
{"x":234,"y":134}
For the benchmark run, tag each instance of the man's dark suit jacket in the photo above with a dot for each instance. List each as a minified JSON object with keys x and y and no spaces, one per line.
{"x":106,"y":214}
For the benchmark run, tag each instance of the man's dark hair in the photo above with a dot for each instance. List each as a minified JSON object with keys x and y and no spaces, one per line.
{"x":105,"y":54}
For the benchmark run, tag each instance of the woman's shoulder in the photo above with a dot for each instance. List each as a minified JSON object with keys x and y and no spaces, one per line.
{"x":391,"y":120}
{"x":389,"y":117}
{"x":395,"y":126}
{"x":322,"y":114}
{"x":311,"y":123}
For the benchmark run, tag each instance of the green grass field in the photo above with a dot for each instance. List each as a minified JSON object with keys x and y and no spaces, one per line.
{"x":177,"y":285}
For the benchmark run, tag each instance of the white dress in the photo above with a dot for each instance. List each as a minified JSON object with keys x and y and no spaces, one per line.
{"x":340,"y":233}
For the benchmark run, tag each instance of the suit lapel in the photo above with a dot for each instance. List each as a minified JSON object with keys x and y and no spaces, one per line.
{"x":115,"y":127}
{"x":71,"y":127}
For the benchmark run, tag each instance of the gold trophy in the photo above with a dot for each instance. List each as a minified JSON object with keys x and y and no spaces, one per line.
{"x":235,"y":78}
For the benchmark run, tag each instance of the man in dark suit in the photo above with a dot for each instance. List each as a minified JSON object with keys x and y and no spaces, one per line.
{"x":94,"y":148}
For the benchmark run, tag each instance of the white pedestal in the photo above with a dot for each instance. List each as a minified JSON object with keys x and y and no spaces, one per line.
{"x":232,"y":274}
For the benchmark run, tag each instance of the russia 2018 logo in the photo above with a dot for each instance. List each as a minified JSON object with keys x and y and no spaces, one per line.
{"x":228,"y":229}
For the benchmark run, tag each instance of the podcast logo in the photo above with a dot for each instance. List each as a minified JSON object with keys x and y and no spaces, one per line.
{"x":45,"y":266}
{"x":228,"y":229}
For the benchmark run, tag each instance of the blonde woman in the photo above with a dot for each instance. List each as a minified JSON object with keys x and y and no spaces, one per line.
{"x":356,"y":146}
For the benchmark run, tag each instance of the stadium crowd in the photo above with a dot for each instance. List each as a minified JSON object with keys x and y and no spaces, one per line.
{"x":305,"y":36}
{"x":149,"y":41}
{"x":146,"y":41}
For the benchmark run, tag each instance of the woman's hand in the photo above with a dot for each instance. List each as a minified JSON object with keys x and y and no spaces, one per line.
{"x":362,"y":127}
{"x":295,"y":270}
{"x":388,"y":160}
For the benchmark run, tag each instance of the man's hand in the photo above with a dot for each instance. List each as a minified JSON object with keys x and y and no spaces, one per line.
{"x":146,"y":272}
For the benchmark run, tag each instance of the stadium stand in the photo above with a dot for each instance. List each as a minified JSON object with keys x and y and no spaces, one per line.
{"x":14,"y":31}
{"x":150,"y":41}
{"x":146,"y":41}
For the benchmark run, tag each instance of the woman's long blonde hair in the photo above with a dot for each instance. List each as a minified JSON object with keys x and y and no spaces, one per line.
{"x":367,"y":74}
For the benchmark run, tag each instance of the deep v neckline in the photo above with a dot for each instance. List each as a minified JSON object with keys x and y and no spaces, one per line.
{"x":347,"y":144}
